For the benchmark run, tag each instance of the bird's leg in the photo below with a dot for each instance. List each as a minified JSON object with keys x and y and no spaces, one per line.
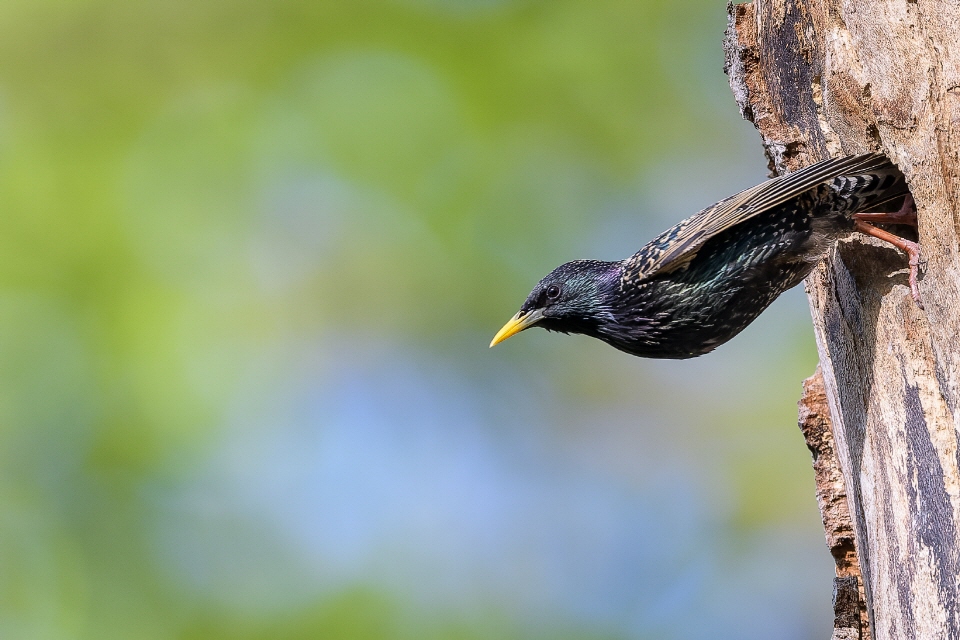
{"x":906,"y":215}
{"x":912,"y":249}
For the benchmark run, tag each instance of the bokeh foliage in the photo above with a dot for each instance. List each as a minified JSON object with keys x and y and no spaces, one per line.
{"x":199,"y":197}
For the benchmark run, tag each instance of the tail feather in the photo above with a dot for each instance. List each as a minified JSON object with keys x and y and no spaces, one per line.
{"x":878,"y":190}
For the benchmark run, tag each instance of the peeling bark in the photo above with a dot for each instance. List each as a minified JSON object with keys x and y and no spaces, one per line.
{"x":849,"y":603}
{"x":828,"y":77}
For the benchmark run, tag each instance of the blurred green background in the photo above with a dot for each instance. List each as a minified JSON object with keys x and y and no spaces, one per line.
{"x":252,"y":253}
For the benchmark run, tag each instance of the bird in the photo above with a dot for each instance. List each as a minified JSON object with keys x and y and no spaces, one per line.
{"x":701,"y":282}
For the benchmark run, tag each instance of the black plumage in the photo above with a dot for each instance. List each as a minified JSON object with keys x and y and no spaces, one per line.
{"x":698,"y":284}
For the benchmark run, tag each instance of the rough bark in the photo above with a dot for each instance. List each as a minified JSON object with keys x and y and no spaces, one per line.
{"x":830,"y":77}
{"x":849,"y":604}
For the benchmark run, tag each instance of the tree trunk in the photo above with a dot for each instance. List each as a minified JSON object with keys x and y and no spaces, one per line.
{"x":823,"y":78}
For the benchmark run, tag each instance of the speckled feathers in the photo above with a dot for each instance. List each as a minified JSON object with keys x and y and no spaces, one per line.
{"x":701,"y":282}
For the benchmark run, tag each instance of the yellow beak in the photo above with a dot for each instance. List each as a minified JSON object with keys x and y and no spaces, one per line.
{"x":516,"y":324}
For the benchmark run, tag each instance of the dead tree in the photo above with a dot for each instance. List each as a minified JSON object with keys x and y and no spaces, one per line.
{"x":822,"y":78}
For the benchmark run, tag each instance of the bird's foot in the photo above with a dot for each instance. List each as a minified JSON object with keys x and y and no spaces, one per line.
{"x":912,"y":249}
{"x":906,"y":215}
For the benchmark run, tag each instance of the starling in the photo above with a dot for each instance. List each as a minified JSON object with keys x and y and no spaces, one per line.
{"x":700,"y":283}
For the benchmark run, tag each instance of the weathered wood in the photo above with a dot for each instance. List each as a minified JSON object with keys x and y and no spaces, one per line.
{"x":849,"y":604}
{"x":831,"y":77}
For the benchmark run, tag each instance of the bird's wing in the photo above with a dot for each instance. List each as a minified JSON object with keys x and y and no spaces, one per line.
{"x":677,"y":246}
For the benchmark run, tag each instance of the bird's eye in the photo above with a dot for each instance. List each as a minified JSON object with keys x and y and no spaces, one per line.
{"x":553,"y":291}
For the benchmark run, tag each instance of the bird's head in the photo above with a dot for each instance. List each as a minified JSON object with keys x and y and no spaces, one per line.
{"x":573,"y":298}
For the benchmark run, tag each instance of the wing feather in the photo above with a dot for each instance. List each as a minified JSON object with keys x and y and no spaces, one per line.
{"x":679,"y":245}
